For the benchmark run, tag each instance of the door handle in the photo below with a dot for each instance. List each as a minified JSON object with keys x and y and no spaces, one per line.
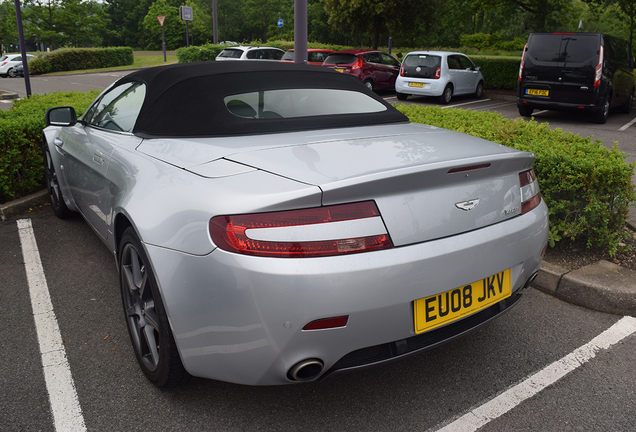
{"x":98,"y":159}
{"x":58,"y":142}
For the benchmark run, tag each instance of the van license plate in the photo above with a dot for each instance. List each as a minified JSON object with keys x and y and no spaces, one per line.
{"x":439,"y":309}
{"x":537,"y":92}
{"x":416,"y":84}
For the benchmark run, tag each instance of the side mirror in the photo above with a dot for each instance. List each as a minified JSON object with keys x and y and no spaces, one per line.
{"x":60,"y":116}
{"x":477,"y":68}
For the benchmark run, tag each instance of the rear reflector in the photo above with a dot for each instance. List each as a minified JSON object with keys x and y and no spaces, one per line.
{"x":316,"y":232}
{"x":327,"y":323}
{"x":530,"y":195}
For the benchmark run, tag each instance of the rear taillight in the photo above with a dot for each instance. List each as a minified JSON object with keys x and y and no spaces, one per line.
{"x":438,"y":72}
{"x":4,"y":63}
{"x":530,"y":195}
{"x":599,"y":68}
{"x":357,"y":64}
{"x":523,"y":57}
{"x":316,"y":232}
{"x":402,"y":70}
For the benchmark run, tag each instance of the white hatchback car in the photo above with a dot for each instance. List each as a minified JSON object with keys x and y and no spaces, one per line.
{"x":10,"y":61}
{"x":438,"y":73}
{"x":250,"y":53}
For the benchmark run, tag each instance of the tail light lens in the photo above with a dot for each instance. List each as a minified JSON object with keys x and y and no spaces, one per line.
{"x":402,"y":70}
{"x":357,"y":64}
{"x":317,"y":232}
{"x":438,"y":72}
{"x":599,"y":68}
{"x":530,"y":195}
{"x":523,"y":58}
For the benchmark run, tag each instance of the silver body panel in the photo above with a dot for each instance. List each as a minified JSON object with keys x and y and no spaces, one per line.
{"x":238,"y":318}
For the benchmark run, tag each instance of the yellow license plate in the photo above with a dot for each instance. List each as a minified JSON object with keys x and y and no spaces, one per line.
{"x":537,"y":92}
{"x":440,"y":309}
{"x":414,"y":84}
{"x":339,"y":69}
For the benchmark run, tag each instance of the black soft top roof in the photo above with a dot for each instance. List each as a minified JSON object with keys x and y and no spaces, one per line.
{"x":186,"y":100}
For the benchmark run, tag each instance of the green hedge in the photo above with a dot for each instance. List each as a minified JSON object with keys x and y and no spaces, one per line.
{"x":21,"y":170}
{"x":587,"y":187}
{"x":499,"y":73}
{"x":69,"y":59}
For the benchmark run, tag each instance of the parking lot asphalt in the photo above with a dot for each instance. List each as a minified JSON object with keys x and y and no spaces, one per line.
{"x":602,"y":286}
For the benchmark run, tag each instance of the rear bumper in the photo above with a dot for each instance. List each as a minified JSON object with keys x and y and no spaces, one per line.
{"x":557,"y":106}
{"x":432,"y":87}
{"x":239,"y":318}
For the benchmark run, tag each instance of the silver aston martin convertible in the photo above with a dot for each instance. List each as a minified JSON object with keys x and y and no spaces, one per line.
{"x":279,"y":223}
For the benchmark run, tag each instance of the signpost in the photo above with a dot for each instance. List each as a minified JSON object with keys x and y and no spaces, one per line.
{"x":161,"y":19}
{"x":279,"y":23}
{"x":186,"y":15}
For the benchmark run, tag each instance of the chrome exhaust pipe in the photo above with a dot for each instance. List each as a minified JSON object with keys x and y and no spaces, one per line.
{"x":306,"y":370}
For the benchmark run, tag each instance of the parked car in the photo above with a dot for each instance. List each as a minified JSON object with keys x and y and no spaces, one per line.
{"x":278,"y":223}
{"x":589,"y":72}
{"x":377,"y":70}
{"x":438,"y":73}
{"x":10,"y":61}
{"x":315,"y":56}
{"x":250,"y":53}
{"x":17,"y":71}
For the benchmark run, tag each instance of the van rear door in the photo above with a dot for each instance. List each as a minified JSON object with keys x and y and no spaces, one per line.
{"x":563,"y":64}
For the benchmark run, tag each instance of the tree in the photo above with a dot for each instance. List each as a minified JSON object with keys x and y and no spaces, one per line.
{"x":628,"y":7}
{"x":127,"y":18}
{"x":8,"y":26}
{"x":174,"y":27}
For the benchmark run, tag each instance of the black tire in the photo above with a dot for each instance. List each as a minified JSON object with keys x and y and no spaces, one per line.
{"x":369,"y":84}
{"x":146,"y":318}
{"x":479,"y":91}
{"x":11,"y":72}
{"x":401,"y":96}
{"x":627,"y":108}
{"x":447,"y":95}
{"x":53,"y":187}
{"x":525,"y":111}
{"x":601,"y":115}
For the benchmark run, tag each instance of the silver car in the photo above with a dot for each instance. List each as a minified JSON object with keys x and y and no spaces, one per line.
{"x":8,"y":63}
{"x":438,"y":73}
{"x":276,"y":223}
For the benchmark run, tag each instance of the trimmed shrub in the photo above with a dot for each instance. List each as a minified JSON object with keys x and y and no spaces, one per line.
{"x":69,"y":59}
{"x":587,"y":187}
{"x":21,"y":168}
{"x":193,"y":54}
{"x":499,"y":73}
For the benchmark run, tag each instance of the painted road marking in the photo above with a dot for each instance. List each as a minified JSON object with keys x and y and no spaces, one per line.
{"x":532,"y":385}
{"x":466,"y":103}
{"x":624,"y":128}
{"x":65,"y":407}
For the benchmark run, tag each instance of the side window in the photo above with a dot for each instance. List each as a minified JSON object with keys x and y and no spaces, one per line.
{"x":373,"y":58}
{"x":118,"y":109}
{"x":454,"y":63}
{"x":388,"y":60}
{"x":254,"y":54}
{"x":275,"y":54}
{"x":466,"y":63}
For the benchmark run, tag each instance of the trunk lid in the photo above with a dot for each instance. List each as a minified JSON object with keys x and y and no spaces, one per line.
{"x":428,"y":183}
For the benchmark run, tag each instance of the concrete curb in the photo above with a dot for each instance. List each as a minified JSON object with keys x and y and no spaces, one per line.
{"x":7,"y":95}
{"x":23,"y":204}
{"x":602,"y":286}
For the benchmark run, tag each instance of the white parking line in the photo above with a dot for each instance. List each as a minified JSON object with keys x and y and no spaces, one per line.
{"x":65,"y":407}
{"x":466,"y":103}
{"x":624,"y":128}
{"x":495,"y":105}
{"x":531,"y":386}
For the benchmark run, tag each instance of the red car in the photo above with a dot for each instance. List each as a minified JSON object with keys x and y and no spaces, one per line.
{"x":377,"y":70}
{"x":315,"y":56}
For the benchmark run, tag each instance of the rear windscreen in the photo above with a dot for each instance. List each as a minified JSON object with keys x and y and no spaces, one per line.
{"x":425,"y":60}
{"x":341,"y":59}
{"x":568,"y":48}
{"x":231,"y":53}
